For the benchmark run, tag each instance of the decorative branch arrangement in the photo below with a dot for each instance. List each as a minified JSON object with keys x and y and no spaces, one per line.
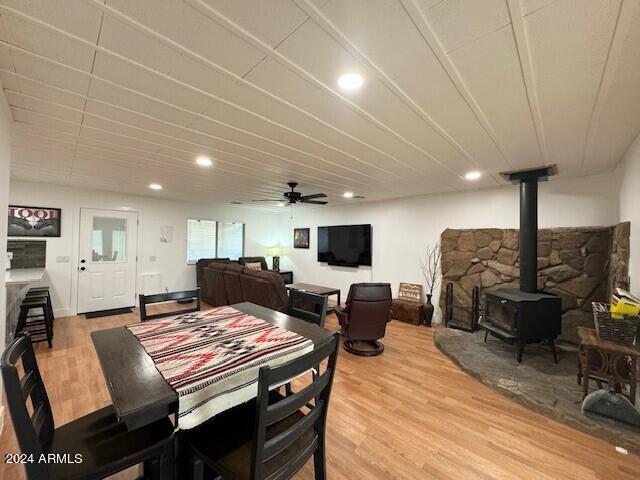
{"x":431,"y":268}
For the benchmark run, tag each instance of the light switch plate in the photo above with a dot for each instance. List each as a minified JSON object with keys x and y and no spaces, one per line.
{"x":152,"y":258}
{"x":62,"y":259}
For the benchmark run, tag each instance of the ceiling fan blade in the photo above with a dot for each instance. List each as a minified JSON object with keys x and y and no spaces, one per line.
{"x":315,"y":195}
{"x":313,"y":202}
{"x":265,"y":200}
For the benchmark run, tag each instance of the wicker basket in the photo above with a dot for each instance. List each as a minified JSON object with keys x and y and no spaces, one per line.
{"x":622,"y":330}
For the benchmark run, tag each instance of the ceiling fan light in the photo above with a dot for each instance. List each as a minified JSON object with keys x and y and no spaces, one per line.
{"x":348,"y":195}
{"x":281,"y":204}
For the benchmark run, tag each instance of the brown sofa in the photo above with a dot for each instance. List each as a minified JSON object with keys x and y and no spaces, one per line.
{"x":229,"y":283}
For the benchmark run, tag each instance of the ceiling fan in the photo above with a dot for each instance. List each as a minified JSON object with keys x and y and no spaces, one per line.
{"x":293,"y":197}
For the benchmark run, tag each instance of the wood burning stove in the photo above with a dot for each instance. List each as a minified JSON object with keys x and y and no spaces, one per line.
{"x":524,"y":315}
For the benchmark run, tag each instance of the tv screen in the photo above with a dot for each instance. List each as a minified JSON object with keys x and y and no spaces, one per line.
{"x":346,"y":245}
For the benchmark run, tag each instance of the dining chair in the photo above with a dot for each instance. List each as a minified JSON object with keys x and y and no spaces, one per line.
{"x":273,"y":436}
{"x":309,"y":307}
{"x":93,"y":446}
{"x":146,"y":300}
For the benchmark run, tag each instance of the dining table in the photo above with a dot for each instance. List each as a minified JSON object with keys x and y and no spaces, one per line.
{"x":140,"y":393}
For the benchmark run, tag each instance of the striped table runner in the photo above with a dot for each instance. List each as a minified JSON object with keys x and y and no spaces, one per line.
{"x":212,"y":358}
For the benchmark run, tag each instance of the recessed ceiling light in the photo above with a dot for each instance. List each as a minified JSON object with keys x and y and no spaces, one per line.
{"x":350,"y":81}
{"x":203,"y":161}
{"x":347,"y":194}
{"x":281,"y":204}
{"x":472,"y":175}
{"x":155,"y":186}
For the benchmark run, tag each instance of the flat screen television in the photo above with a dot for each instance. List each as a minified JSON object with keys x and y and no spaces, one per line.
{"x":345,"y":245}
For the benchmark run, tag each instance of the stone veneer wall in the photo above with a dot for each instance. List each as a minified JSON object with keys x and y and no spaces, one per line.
{"x":581,"y":265}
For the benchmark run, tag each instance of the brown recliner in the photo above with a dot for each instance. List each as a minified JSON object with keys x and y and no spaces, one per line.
{"x":214,"y":292}
{"x":204,"y":263}
{"x":264,"y":288}
{"x":364,"y":318}
{"x":233,"y":288}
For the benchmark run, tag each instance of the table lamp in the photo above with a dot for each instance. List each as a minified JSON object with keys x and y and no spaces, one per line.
{"x":274,"y":253}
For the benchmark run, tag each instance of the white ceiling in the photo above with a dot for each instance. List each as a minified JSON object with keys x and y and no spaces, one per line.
{"x":117,"y":94}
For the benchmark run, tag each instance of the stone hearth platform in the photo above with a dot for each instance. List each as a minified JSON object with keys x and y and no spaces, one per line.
{"x":536,"y":383}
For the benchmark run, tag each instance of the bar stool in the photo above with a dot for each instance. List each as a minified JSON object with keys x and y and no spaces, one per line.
{"x":39,"y":325}
{"x":43,"y":292}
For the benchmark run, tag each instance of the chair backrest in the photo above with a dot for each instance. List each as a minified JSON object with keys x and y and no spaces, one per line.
{"x":369,"y":307}
{"x":261,"y":260}
{"x":146,"y":300}
{"x":305,"y":433}
{"x":34,"y":431}
{"x":308,"y":306}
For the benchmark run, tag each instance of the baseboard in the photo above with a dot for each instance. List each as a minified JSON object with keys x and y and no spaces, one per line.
{"x":63,"y":312}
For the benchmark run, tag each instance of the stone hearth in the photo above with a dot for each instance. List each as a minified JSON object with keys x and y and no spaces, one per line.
{"x":537,"y":383}
{"x":581,"y":265}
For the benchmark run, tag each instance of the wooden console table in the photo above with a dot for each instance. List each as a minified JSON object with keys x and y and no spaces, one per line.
{"x":602,"y":360}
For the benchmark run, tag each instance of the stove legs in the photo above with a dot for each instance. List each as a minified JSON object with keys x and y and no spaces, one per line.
{"x":521,"y":344}
{"x":552,"y":344}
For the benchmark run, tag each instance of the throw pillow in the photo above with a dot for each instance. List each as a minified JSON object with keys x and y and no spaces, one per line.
{"x":253,"y":266}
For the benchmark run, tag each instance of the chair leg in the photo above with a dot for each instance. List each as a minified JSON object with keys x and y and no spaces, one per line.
{"x":167,"y":461}
{"x":197,"y":468}
{"x":319,"y":461}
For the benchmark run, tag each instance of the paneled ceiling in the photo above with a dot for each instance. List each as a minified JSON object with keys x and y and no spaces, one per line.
{"x":117,"y":94}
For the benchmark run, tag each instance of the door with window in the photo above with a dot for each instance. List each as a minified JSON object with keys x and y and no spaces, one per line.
{"x":107,"y":261}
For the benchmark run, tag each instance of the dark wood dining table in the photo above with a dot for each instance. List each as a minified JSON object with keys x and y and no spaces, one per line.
{"x":139,"y":393}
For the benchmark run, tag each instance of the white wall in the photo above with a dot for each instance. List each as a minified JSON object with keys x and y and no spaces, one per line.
{"x":402,"y":228}
{"x":261,"y":231}
{"x":5,"y":160}
{"x":629,"y":174}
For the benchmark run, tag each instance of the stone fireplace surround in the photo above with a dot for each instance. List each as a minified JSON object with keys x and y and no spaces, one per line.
{"x":581,"y":265}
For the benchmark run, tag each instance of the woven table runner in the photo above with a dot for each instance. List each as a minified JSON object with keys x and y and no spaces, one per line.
{"x":212,"y":358}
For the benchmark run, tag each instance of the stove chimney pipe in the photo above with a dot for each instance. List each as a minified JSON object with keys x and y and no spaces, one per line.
{"x":528,"y":180}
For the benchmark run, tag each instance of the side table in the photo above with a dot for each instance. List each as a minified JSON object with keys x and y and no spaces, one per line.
{"x":602,"y":360}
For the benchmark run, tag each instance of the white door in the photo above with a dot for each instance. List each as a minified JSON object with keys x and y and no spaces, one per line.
{"x":107,"y":263}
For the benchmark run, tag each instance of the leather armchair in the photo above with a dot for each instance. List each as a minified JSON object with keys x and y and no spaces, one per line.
{"x":364,"y":318}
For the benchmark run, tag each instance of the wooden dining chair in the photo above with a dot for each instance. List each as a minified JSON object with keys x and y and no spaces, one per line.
{"x":309,"y":307}
{"x":273,"y":436}
{"x":95,"y":446}
{"x":146,"y":300}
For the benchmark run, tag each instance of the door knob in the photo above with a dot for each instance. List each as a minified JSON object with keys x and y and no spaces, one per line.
{"x":82,"y":261}
{"x":82,"y":268}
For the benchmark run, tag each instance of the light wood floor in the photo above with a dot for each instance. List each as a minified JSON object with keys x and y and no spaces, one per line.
{"x":409,"y":413}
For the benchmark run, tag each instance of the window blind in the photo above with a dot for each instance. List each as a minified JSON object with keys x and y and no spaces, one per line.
{"x":201,"y":239}
{"x":230,"y":240}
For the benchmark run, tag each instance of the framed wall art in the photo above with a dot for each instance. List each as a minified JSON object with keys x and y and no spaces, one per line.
{"x":33,"y":221}
{"x":301,"y":237}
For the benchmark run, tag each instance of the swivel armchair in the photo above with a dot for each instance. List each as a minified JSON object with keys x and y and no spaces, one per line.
{"x":364,"y":318}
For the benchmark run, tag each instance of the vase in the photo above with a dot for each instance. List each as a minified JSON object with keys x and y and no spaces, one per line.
{"x":427,"y":311}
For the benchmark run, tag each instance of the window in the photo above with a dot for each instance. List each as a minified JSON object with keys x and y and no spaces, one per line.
{"x":230,"y":240}
{"x":201,"y":239}
{"x":211,"y":239}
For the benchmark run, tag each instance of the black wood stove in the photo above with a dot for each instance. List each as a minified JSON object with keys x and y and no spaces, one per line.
{"x":524,"y":315}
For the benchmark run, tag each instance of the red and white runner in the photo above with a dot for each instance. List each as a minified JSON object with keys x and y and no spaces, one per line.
{"x":212,"y":358}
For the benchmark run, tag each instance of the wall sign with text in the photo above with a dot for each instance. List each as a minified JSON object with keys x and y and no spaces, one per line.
{"x":33,"y":221}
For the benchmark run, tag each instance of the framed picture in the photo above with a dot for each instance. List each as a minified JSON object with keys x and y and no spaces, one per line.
{"x":33,"y":221}
{"x":301,"y":237}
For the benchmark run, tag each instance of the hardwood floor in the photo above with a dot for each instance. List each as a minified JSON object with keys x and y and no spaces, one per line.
{"x":409,"y":413}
